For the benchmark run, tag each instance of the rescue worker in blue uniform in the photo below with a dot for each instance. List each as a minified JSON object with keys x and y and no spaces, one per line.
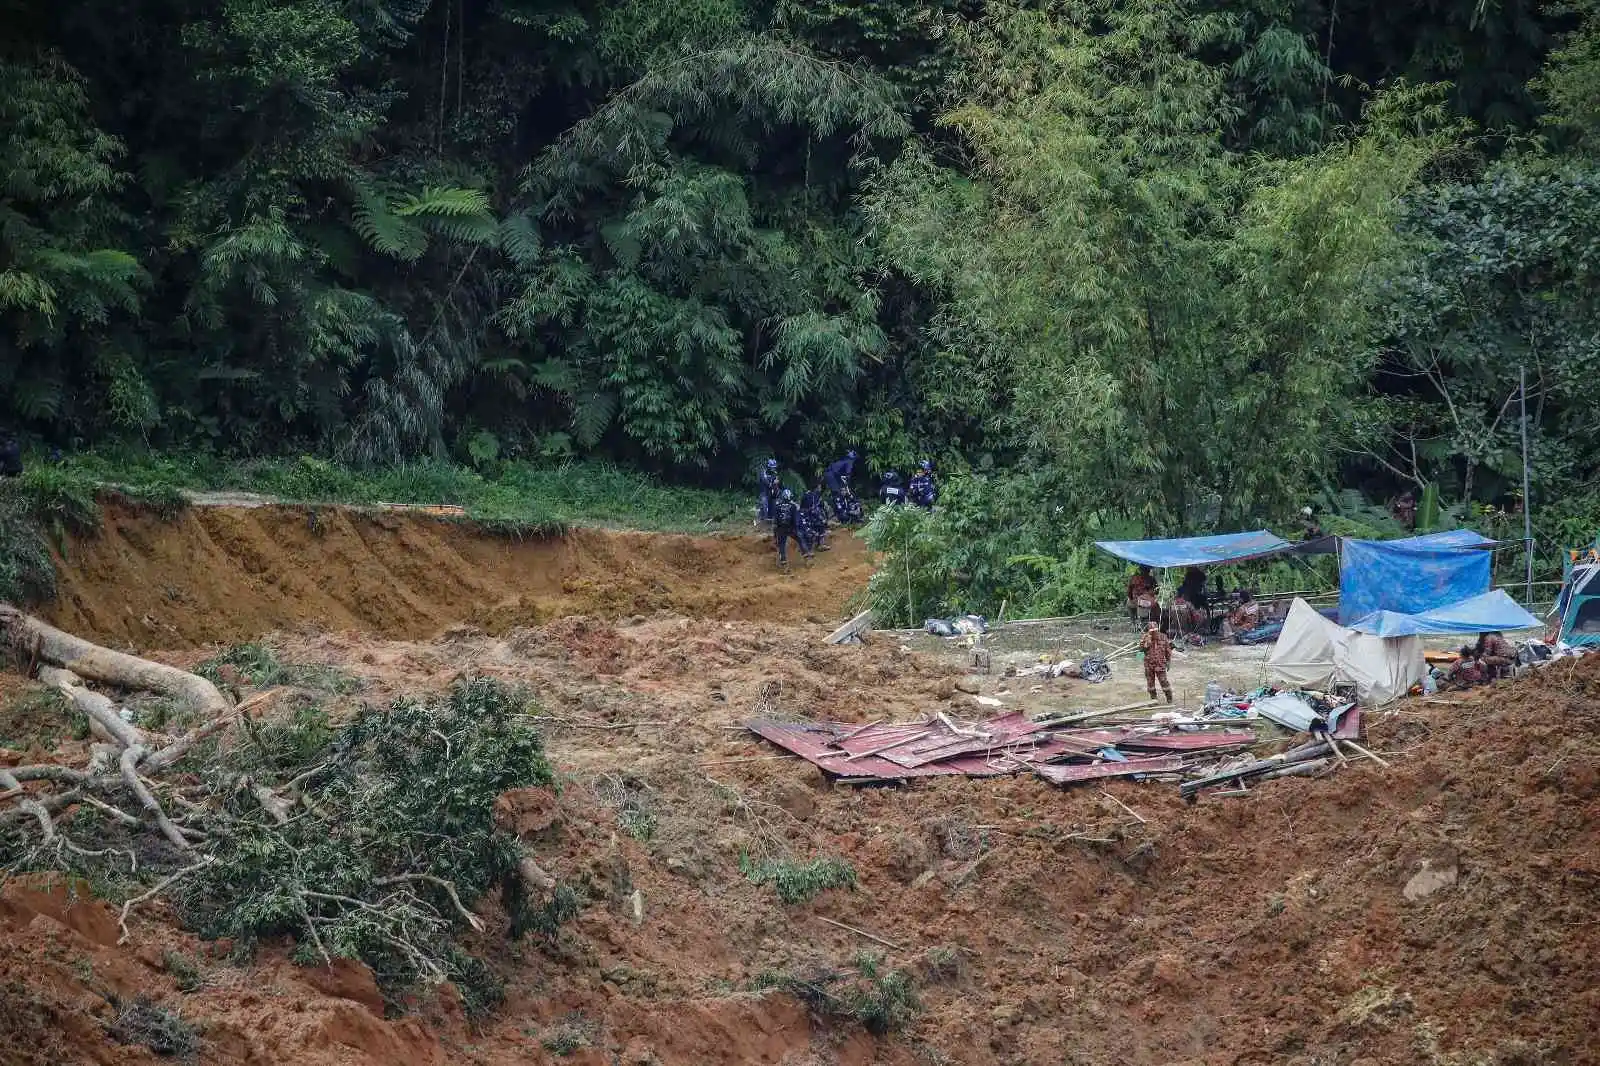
{"x":813,"y":520}
{"x":10,"y":456}
{"x":837,"y":475}
{"x":890,"y":491}
{"x":786,"y":524}
{"x":767,"y":495}
{"x":924,"y":489}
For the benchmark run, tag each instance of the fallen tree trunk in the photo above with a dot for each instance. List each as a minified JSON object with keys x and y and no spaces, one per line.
{"x":94,"y":663}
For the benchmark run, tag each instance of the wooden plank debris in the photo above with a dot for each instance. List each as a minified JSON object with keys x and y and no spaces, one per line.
{"x":851,"y":631}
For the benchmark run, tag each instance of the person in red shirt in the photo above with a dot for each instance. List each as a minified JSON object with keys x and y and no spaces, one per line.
{"x":1468,"y":671}
{"x":1496,"y":654}
{"x":1157,"y":648}
{"x":1141,"y":593}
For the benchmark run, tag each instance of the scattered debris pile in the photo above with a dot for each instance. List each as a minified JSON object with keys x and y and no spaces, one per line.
{"x":1201,"y":750}
{"x":939,"y":745}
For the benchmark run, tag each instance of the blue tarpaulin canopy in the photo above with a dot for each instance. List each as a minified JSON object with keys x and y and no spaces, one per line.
{"x":1198,"y":551}
{"x":1413,"y":575}
{"x":1491,"y":612}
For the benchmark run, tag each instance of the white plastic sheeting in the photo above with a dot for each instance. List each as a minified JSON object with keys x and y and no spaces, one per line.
{"x":1316,"y":653}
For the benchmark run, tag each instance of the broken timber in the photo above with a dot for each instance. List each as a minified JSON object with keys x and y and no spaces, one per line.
{"x":851,"y":631}
{"x":1303,"y":753}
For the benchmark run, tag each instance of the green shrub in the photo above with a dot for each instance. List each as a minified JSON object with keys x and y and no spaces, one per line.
{"x":61,"y":500}
{"x":880,"y":1000}
{"x":259,"y":666}
{"x":571,"y":1036}
{"x":184,"y":971}
{"x":799,"y":882}
{"x":397,"y":809}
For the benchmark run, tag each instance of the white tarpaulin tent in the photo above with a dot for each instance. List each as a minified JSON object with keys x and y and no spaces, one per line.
{"x":1316,"y":653}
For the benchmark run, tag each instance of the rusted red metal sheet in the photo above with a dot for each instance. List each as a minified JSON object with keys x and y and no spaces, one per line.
{"x":1190,"y":741}
{"x":815,"y":742}
{"x":1067,"y":773}
{"x":1349,"y":725}
{"x":901,"y":752}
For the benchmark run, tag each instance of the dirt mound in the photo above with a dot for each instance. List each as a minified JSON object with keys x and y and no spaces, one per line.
{"x":228,"y":574}
{"x":1438,"y":911}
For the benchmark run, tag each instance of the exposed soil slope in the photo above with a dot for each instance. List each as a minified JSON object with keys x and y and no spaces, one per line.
{"x":229,"y":574}
{"x":1044,"y":926}
{"x":1440,"y":911}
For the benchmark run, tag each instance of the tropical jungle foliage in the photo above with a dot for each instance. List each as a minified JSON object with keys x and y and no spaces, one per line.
{"x":1154,"y":264}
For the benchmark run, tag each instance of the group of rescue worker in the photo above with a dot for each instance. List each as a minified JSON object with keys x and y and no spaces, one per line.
{"x":806,"y":520}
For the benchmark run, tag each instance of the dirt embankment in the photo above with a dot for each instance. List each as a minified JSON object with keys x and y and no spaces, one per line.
{"x":229,"y":574}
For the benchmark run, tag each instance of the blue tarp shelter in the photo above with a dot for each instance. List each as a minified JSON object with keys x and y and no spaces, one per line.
{"x":1198,"y":551}
{"x":1491,"y":612}
{"x":1414,"y":575}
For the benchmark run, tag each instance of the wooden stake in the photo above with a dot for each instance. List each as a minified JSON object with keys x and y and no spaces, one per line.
{"x":1124,"y":806}
{"x":751,"y":758}
{"x":861,"y":932}
{"x":861,"y":729}
{"x":1363,"y":751}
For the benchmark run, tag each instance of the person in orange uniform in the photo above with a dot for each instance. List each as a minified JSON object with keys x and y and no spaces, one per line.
{"x":1157,"y":647}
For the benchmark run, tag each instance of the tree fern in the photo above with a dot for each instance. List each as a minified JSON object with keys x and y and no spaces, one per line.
{"x":385,"y":229}
{"x":457,"y":213}
{"x":519,"y":239}
{"x":592,"y":414}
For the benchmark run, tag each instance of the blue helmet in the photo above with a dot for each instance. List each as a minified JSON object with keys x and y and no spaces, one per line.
{"x":787,"y":494}
{"x":772,"y":464}
{"x":926,"y":464}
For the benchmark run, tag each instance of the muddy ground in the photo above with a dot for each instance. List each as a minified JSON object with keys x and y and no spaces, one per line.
{"x":1440,"y":911}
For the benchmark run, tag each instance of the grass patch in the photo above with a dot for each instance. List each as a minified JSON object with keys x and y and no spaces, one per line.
{"x":799,"y":882}
{"x":944,"y":963}
{"x":879,"y":999}
{"x":38,"y":715}
{"x":258,"y":666}
{"x":515,"y":498}
{"x":164,"y":1032}
{"x":165,"y":501}
{"x":184,"y":970}
{"x":571,"y":1036}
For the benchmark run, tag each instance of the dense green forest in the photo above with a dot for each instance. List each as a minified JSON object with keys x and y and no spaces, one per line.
{"x":1159,"y":264}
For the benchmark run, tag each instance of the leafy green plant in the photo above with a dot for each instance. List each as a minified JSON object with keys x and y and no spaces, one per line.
{"x":184,"y":970}
{"x":361,"y":873}
{"x":259,"y":666}
{"x":799,"y":882}
{"x":882,"y":1000}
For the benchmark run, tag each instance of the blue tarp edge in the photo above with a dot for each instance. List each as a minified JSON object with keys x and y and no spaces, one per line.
{"x":1197,"y":551}
{"x":1493,"y":611}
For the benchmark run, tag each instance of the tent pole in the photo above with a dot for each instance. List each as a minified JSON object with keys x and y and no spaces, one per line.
{"x":1527,"y":503}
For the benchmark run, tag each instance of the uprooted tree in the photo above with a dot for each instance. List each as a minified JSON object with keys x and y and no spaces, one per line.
{"x":372,"y":840}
